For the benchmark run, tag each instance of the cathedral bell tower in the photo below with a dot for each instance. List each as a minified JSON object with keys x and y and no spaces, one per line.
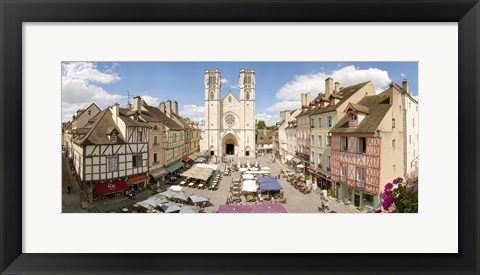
{"x":212,"y":109}
{"x":247,"y":98}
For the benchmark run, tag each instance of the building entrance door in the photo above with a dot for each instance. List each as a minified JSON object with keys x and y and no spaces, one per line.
{"x":230,"y":149}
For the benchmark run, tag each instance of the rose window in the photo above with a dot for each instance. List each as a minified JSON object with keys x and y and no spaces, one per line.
{"x":229,"y":120}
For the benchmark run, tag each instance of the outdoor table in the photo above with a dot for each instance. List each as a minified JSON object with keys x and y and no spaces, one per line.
{"x":200,"y":185}
{"x":191,"y":184}
{"x":182,"y":182}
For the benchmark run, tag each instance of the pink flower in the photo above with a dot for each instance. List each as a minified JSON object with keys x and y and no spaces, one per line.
{"x":395,"y":181}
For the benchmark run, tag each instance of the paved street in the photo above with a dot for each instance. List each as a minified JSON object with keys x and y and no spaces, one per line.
{"x":71,"y":203}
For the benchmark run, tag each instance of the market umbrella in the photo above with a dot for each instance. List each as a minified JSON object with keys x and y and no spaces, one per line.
{"x":265,"y":168}
{"x":189,"y":209}
{"x":254,"y":169}
{"x":243,"y":169}
{"x":248,"y":176}
{"x":169,"y":193}
{"x":170,"y":207}
{"x":175,"y":188}
{"x":181,"y":196}
{"x":196,"y":198}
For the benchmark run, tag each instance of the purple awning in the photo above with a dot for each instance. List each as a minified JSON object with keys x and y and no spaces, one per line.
{"x":268,"y":208}
{"x":234,"y":209}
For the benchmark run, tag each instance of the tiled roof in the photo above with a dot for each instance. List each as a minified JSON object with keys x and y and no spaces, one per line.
{"x":359,"y":107}
{"x":346,"y":93}
{"x":264,"y":138}
{"x":99,"y":130}
{"x":378,"y":106}
{"x":156,"y":114}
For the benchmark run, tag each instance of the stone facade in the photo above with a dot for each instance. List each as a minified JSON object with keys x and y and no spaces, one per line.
{"x":230,"y":122}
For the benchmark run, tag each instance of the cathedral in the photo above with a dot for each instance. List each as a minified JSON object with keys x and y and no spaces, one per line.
{"x":230,"y":122}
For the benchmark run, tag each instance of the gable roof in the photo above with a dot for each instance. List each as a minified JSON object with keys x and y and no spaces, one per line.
{"x":320,"y":96}
{"x":82,"y":111}
{"x":357,"y":107}
{"x":346,"y":93}
{"x":378,"y":105}
{"x":159,"y":116}
{"x":98,"y":130}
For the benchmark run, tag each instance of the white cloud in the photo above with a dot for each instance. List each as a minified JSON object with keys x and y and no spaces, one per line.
{"x":268,"y":118}
{"x":224,"y":80}
{"x":315,"y":83}
{"x":194,"y":112}
{"x":79,"y":89}
{"x":150,"y":100}
{"x":403,"y":75}
{"x":234,"y":87}
{"x":87,"y":71}
{"x":284,"y":105}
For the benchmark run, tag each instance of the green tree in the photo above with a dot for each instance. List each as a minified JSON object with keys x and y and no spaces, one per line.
{"x":261,"y":125}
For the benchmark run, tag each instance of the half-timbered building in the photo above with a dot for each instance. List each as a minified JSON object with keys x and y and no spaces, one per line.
{"x":328,"y":110}
{"x":111,"y":155}
{"x":367,"y":149}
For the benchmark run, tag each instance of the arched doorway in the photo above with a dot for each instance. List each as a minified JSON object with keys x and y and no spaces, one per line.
{"x":229,"y":144}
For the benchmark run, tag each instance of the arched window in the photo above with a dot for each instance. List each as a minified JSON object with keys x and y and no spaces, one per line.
{"x":247,"y":79}
{"x":247,"y":95}
{"x":212,"y":95}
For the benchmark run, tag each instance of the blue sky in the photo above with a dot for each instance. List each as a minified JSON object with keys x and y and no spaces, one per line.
{"x":279,"y":84}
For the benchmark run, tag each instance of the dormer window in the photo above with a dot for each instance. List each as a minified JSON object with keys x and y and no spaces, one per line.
{"x":322,"y":104}
{"x":352,"y":119}
{"x":332,"y":101}
{"x":113,"y":137}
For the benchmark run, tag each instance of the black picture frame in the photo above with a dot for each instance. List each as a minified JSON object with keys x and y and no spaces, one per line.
{"x":14,"y":13}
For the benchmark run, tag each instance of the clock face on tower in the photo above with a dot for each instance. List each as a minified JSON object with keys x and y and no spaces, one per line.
{"x":229,"y":120}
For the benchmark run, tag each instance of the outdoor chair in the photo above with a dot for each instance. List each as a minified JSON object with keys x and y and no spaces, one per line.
{"x":282,"y":200}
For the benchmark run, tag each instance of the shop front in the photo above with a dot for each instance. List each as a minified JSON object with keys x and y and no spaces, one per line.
{"x":138,"y":182}
{"x":109,"y":189}
{"x":363,"y":201}
{"x":158,"y":174}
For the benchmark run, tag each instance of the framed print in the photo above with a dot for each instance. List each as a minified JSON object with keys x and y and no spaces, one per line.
{"x":48,"y":45}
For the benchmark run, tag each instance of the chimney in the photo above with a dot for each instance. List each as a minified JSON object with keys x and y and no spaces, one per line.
{"x":282,"y":115}
{"x":162,"y":107}
{"x":137,"y":104}
{"x":264,"y":131}
{"x":168,"y":108}
{"x":337,"y":88}
{"x":328,"y":87}
{"x":175,"y":107}
{"x":287,"y":115}
{"x":305,"y":101}
{"x":405,"y":86}
{"x":115,"y":112}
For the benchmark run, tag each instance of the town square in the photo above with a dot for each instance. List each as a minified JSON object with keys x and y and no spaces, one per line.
{"x":343,"y":140}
